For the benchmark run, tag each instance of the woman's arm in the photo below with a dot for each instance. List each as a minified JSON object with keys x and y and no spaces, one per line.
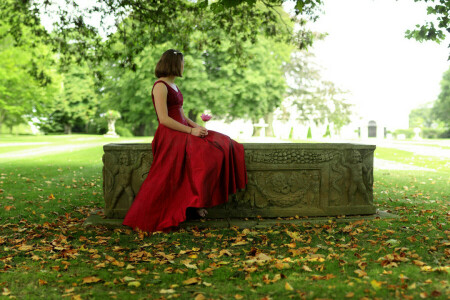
{"x":190,"y":122}
{"x":160,"y":96}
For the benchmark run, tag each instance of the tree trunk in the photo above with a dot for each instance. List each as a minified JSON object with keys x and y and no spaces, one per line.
{"x":192,"y":114}
{"x":67,"y":129}
{"x":151,"y":129}
{"x":140,"y":130}
{"x":256,"y":130}
{"x":2,"y":117}
{"x":268,"y":119}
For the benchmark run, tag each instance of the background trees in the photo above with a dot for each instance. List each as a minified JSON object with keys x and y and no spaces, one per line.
{"x":316,"y":100}
{"x":441,"y":108}
{"x":28,"y":79}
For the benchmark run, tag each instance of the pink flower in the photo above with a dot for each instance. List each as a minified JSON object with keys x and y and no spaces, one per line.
{"x":206,"y":117}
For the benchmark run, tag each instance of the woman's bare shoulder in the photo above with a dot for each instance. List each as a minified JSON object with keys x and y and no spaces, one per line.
{"x":159,"y":86}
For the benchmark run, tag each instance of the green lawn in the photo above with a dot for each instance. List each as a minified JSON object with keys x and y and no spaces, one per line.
{"x":46,"y":252}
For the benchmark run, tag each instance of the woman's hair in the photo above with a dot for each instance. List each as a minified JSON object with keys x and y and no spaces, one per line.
{"x":169,"y":64}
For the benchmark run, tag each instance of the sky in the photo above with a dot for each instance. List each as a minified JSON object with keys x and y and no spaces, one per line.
{"x":367,"y":54}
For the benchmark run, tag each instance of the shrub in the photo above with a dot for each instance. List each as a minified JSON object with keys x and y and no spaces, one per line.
{"x":409,"y":133}
{"x":124,"y":132}
{"x":432,"y":133}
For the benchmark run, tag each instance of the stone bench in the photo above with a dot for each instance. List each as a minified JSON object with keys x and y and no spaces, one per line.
{"x":284,"y":180}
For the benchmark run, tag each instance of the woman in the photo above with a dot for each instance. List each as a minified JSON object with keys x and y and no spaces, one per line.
{"x":192,"y":167}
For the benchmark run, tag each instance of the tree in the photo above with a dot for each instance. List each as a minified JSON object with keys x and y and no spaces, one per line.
{"x":441,"y":108}
{"x":316,"y":99}
{"x":439,"y":8}
{"x":75,"y":105}
{"x":421,"y":117}
{"x":27,"y":80}
{"x":151,"y":22}
{"x":212,"y":79}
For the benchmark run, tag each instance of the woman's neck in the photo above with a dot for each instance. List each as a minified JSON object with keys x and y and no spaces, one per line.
{"x":170,"y":79}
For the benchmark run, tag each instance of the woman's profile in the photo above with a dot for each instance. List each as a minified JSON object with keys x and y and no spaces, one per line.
{"x":192,"y":167}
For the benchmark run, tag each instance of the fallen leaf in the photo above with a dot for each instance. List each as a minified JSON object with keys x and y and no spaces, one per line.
{"x":288,"y":287}
{"x":134,"y":284}
{"x":360,"y":273}
{"x":192,"y":280}
{"x":42,"y":282}
{"x":376,"y":284}
{"x":91,"y":279}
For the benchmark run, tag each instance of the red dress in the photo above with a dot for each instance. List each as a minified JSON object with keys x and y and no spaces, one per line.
{"x":187,"y":171}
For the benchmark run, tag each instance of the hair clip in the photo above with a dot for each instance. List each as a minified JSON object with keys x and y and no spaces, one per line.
{"x":175,"y":52}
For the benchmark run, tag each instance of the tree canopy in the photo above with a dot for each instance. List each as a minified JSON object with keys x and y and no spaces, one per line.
{"x":441,"y":108}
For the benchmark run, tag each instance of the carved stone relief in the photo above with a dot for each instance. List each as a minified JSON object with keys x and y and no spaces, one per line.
{"x":296,"y":180}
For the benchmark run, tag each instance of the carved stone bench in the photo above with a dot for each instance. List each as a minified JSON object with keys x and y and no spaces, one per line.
{"x":284,"y":180}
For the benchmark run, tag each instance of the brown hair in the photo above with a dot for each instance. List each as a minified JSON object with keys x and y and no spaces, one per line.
{"x":169,"y":64}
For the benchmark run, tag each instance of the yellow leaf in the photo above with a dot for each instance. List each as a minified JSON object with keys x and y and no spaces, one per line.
{"x":350,"y":295}
{"x":134,"y":284}
{"x":190,"y":266}
{"x":237,"y":296}
{"x":168,"y":291}
{"x":306,"y":268}
{"x":200,"y":297}
{"x":192,"y":280}
{"x":360,"y":273}
{"x":51,"y":197}
{"x":206,"y":283}
{"x":376,"y":284}
{"x":91,"y":279}
{"x":288,"y":287}
{"x":128,"y":278}
{"x":25,"y":247}
{"x":225,"y":251}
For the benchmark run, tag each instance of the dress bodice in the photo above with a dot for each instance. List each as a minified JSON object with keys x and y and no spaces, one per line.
{"x":174,"y":103}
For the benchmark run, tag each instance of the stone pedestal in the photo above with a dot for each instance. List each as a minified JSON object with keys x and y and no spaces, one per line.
{"x":284,"y":180}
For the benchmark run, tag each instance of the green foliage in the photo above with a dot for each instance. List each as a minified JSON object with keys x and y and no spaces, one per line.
{"x":441,"y":108}
{"x":28,"y":82}
{"x":421,"y":117}
{"x":409,"y":133}
{"x":327,"y":131}
{"x":430,"y":31}
{"x":76,"y":105}
{"x":212,"y":80}
{"x":123,"y":131}
{"x":316,"y":99}
{"x":433,"y":133}
{"x":309,"y":135}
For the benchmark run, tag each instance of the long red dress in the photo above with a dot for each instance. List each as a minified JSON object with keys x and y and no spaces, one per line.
{"x":187,"y":171}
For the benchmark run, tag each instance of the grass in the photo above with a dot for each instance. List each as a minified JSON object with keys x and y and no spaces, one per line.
{"x":46,"y":252}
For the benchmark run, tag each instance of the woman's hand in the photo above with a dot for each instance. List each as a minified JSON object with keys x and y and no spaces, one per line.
{"x":199,"y":131}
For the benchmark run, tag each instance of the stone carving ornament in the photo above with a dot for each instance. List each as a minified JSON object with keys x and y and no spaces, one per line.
{"x":289,"y":156}
{"x":281,"y":188}
{"x":120,"y":175}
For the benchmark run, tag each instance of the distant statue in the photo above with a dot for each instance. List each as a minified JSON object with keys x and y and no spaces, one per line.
{"x":111,"y":116}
